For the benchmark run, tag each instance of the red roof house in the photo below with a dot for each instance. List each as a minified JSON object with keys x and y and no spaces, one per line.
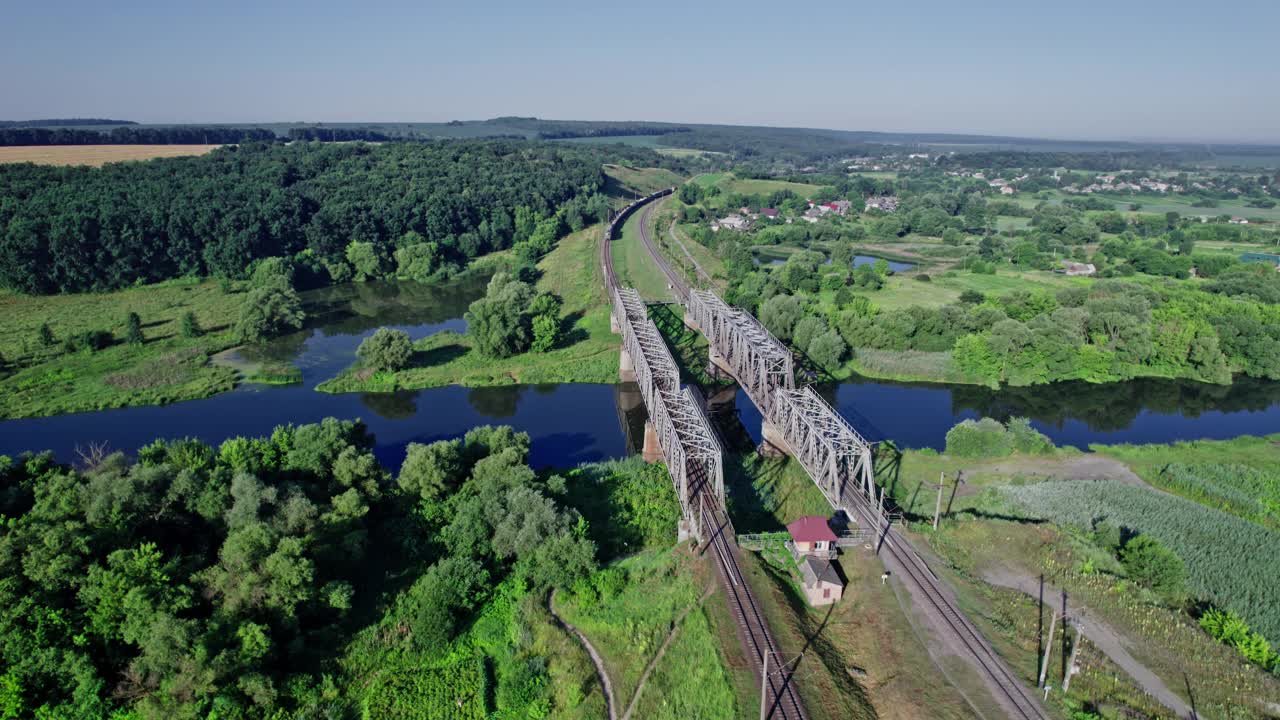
{"x":811,"y":534}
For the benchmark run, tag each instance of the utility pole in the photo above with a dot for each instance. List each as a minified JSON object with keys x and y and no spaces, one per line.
{"x":937,"y":506}
{"x":1044,"y":664}
{"x":764,"y":687}
{"x":1071,"y":663}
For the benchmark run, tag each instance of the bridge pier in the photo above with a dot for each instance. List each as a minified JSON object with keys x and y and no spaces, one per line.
{"x":772,"y":442}
{"x":689,"y":320}
{"x":724,"y":398}
{"x":626,"y":367}
{"x":719,"y":367}
{"x":652,"y":451}
{"x":614,"y":327}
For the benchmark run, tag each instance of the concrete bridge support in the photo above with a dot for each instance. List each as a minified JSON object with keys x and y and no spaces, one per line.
{"x":626,"y":367}
{"x":690,"y":322}
{"x":614,"y":327}
{"x":719,"y":367}
{"x":772,"y":443}
{"x":652,"y":451}
{"x":722,"y":399}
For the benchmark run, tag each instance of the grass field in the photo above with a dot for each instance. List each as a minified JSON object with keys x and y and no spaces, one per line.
{"x":633,"y":264}
{"x":95,"y":155}
{"x":589,"y":353}
{"x":627,"y":183}
{"x":690,"y":680}
{"x":166,"y":368}
{"x":728,"y":182}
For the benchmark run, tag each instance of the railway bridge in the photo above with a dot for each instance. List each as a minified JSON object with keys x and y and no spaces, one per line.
{"x":799,"y":422}
{"x":678,"y":432}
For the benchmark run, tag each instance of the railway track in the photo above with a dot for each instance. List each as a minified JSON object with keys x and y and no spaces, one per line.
{"x":781,"y":698}
{"x":902,"y":559}
{"x":1006,"y":688}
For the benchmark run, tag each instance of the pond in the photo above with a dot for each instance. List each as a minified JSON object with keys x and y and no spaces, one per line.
{"x":574,"y":423}
{"x":766,"y":258}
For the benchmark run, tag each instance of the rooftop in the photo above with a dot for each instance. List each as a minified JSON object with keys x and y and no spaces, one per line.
{"x":811,"y":528}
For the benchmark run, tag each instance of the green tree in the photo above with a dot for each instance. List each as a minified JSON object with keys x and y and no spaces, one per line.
{"x":780,"y":314}
{"x":806,"y":329}
{"x":387,"y":349}
{"x":827,"y":349}
{"x":417,"y":261}
{"x":499,"y":323}
{"x":430,"y":471}
{"x":190,"y":327}
{"x":45,"y":335}
{"x":268,"y":312}
{"x":133,"y":329}
{"x":546,"y":333}
{"x":367,"y":260}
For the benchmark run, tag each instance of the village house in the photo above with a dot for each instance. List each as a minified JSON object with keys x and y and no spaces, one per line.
{"x":1074,"y":269}
{"x":811,"y":535}
{"x":822,"y":583}
{"x":840,"y":207}
{"x":886,"y":203}
{"x":1237,"y":220}
{"x":1007,"y":190}
{"x":813,"y":213}
{"x":814,"y":544}
{"x":771,"y":213}
{"x":732,"y":222}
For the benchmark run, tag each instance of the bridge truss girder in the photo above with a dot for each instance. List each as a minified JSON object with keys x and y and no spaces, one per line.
{"x":826,"y":445}
{"x":689,"y":446}
{"x":758,"y":361}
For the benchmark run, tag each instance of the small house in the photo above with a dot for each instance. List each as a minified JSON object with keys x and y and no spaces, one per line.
{"x":1078,"y":269}
{"x":1237,"y":220}
{"x":1007,"y":190}
{"x":769,"y":212}
{"x":822,"y":583}
{"x":811,"y":535}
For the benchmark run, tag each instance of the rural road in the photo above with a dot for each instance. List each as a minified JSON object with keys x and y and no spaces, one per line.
{"x":603,"y":674}
{"x":1102,"y":636}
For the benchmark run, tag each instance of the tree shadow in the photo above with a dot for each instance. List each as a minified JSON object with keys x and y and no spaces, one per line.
{"x":438,"y":355}
{"x":570,"y":333}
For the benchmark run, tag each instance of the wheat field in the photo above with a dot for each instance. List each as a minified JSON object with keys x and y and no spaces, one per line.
{"x":95,"y":155}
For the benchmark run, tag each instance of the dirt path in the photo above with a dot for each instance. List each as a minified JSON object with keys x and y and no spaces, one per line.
{"x":603,"y":674}
{"x":675,"y":628}
{"x":1102,"y":636}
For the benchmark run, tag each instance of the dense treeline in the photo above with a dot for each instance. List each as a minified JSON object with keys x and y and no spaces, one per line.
{"x":176,"y":135}
{"x":1102,"y":161}
{"x":63,"y":122}
{"x":290,"y":576}
{"x":324,"y":134}
{"x":344,"y":209}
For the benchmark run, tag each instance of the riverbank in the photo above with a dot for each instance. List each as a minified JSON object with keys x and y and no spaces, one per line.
{"x":588,"y":352}
{"x":59,"y":373}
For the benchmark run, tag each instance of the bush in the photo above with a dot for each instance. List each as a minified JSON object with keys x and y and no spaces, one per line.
{"x":386,"y":349}
{"x":1151,"y":564}
{"x":972,"y":297}
{"x":979,"y":438}
{"x":133,"y":329}
{"x":190,"y":327}
{"x":90,"y":340}
{"x":924,"y":277}
{"x":1027,"y":439}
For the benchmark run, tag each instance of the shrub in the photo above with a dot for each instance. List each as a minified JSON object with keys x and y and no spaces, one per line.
{"x":924,"y":277}
{"x":46,"y":335}
{"x":386,"y":349}
{"x":1231,"y":629}
{"x":972,"y":297}
{"x":979,"y":438}
{"x":90,"y":340}
{"x":190,"y":327}
{"x":133,"y":329}
{"x":1149,"y":563}
{"x":1027,"y":439}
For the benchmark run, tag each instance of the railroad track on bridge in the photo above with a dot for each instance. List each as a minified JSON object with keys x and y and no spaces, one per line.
{"x":781,"y":697}
{"x":1007,"y":690}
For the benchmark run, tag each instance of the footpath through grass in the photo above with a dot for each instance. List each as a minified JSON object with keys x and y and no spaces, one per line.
{"x":588,"y":352}
{"x":41,"y":379}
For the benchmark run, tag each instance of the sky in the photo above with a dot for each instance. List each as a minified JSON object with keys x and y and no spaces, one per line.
{"x":1124,"y":69}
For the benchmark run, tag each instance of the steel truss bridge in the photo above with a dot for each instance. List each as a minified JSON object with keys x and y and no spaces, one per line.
{"x":685,"y":437}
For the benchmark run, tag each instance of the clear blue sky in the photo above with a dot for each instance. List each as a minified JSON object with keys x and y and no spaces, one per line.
{"x":1087,"y":69}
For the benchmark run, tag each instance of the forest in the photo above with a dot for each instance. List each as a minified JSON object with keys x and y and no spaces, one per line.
{"x":134,"y":135}
{"x":344,"y":210}
{"x":292,"y":576}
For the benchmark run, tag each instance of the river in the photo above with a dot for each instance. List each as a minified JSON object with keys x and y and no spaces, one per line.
{"x":574,"y":423}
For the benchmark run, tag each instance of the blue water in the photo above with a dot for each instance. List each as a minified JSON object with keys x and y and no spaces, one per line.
{"x":765,"y":258}
{"x":575,"y":423}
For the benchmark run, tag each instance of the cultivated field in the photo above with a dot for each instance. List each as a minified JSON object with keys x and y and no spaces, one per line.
{"x":95,"y":155}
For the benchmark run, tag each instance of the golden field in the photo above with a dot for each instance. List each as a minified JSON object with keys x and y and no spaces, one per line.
{"x":95,"y":155}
